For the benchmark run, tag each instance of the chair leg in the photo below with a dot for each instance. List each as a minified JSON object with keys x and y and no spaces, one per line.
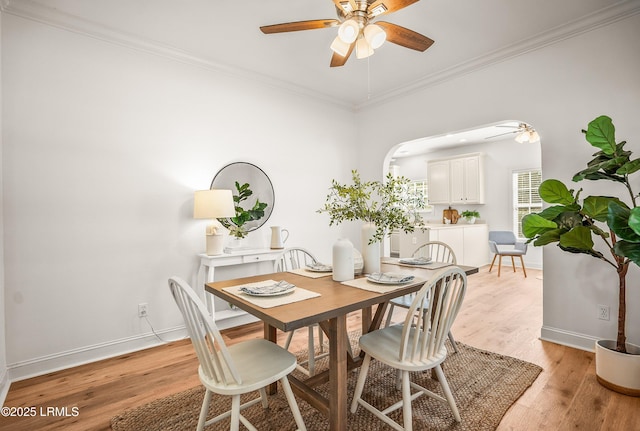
{"x":453,"y":342}
{"x":447,"y":392}
{"x":320,"y":338}
{"x":523,"y":268}
{"x":289,"y":337}
{"x":389,"y":314}
{"x":364,"y":370}
{"x":235,"y":413}
{"x":293,"y":405}
{"x":494,"y":259}
{"x":513,"y":264}
{"x":406,"y":402}
{"x":205,"y":408}
{"x":312,"y":352}
{"x":499,"y":264}
{"x":263,"y":397}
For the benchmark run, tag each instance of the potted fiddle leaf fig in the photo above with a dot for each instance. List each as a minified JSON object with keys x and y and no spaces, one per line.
{"x":236,"y":224}
{"x":382,"y":206}
{"x":577,"y":224}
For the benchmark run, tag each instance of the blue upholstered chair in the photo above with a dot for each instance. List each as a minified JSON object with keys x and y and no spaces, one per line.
{"x":504,"y":243}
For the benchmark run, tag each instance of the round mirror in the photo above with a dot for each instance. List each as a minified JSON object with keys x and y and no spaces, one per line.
{"x":253,"y":196}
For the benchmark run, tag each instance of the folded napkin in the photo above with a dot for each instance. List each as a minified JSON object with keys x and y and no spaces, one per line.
{"x":388,"y":277}
{"x":415,"y":260}
{"x":270,"y":289}
{"x":319,"y":267}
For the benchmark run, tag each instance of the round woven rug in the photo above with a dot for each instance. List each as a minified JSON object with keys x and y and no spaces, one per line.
{"x":484,"y":385}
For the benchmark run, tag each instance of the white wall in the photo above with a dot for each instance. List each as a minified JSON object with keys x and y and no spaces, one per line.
{"x":500,"y":159}
{"x":4,"y":376}
{"x":103,"y":149}
{"x":559,"y":89}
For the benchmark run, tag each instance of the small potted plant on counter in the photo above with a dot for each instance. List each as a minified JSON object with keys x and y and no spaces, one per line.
{"x":575,"y":223}
{"x":470,"y":216}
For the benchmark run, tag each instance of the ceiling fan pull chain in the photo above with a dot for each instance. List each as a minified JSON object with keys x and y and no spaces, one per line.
{"x":368,"y":79}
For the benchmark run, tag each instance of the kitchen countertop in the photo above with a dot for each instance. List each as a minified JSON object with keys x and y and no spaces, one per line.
{"x":445,"y":226}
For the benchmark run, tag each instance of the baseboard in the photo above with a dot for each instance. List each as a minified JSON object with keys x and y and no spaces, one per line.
{"x":4,"y":385}
{"x":568,"y":338}
{"x":73,"y":358}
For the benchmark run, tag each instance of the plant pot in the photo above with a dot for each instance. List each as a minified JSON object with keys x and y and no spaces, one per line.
{"x":370,"y":252}
{"x":617,"y":371}
{"x":470,"y":220}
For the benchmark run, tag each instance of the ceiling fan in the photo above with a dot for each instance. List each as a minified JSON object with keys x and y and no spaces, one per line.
{"x":357,"y":29}
{"x":525,"y":132}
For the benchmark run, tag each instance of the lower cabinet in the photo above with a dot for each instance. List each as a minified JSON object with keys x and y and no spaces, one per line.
{"x":470,"y":242}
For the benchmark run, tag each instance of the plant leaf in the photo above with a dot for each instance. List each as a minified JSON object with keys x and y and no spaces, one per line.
{"x":618,"y":221}
{"x":628,"y":249}
{"x":533,"y":224}
{"x":548,"y":237}
{"x":551,"y":213}
{"x":555,"y":192}
{"x":601,"y":134}
{"x":597,"y":207}
{"x":578,"y":238}
{"x":634,"y":220}
{"x":629,"y":167}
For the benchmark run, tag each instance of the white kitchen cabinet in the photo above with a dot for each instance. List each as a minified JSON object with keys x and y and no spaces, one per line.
{"x":438,"y":177}
{"x":458,"y":180}
{"x":469,"y":242}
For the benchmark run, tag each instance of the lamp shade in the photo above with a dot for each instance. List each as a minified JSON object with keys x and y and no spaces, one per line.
{"x":339,"y":47}
{"x":348,"y":31}
{"x":213,"y":203}
{"x":363,"y":49}
{"x":375,"y":35}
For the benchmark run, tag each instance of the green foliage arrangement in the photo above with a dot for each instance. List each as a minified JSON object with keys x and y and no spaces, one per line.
{"x":236,"y":224}
{"x":469,"y":214}
{"x":389,"y":205}
{"x":574,"y":224}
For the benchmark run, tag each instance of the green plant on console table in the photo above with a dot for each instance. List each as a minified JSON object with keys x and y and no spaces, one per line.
{"x":574,"y":223}
{"x":469,"y":214}
{"x":236,"y":225}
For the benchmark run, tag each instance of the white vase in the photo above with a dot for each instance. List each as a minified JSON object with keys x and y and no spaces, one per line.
{"x":617,"y":371}
{"x":370,"y":252}
{"x":342,"y":260}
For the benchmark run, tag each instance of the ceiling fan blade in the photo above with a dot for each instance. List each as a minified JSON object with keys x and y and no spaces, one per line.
{"x":501,"y":134}
{"x":299,"y":25}
{"x":338,"y":60}
{"x":389,"y":6}
{"x":405,"y":37}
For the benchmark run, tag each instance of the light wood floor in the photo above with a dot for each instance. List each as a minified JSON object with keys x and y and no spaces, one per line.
{"x":502,"y":315}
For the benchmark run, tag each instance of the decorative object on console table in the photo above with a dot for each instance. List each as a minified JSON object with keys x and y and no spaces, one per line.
{"x":572,"y":224}
{"x":277,"y":241}
{"x":470,"y":216}
{"x":212,"y":204}
{"x":254,"y":201}
{"x":383,"y":206}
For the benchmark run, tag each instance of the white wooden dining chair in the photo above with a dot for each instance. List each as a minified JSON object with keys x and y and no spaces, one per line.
{"x":437,"y":251}
{"x":415,"y":346}
{"x":296,"y":258}
{"x":235,"y":370}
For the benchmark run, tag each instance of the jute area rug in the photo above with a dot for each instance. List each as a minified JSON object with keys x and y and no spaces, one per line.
{"x":484,"y":385}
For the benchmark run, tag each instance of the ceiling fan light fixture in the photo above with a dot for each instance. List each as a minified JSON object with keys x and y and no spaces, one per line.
{"x":348,"y":31}
{"x":380,"y":9}
{"x":522,"y":137}
{"x":339,"y":47}
{"x":533,"y":136}
{"x":375,"y":35}
{"x":363,"y":49}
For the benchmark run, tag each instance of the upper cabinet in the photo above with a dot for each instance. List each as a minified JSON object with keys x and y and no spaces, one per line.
{"x":458,"y":180}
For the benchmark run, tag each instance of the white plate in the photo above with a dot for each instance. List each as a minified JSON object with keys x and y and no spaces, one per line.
{"x":414,"y":261}
{"x":396,"y":280}
{"x":320,"y":268}
{"x":273,"y":290}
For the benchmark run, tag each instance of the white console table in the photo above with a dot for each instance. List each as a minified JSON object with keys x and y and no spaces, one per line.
{"x":208,"y":264}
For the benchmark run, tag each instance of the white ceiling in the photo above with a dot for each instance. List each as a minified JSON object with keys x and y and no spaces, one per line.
{"x":226,"y":35}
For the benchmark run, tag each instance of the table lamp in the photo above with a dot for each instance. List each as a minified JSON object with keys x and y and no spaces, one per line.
{"x":212,"y":204}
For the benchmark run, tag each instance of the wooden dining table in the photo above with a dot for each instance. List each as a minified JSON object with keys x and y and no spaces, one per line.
{"x":329,"y":310}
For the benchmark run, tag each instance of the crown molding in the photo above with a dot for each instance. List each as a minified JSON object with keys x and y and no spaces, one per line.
{"x":606,"y":16}
{"x":53,"y":17}
{"x":49,"y":16}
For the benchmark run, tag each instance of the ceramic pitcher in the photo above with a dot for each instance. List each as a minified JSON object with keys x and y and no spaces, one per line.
{"x":278,"y":237}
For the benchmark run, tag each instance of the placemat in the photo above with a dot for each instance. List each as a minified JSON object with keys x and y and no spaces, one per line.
{"x":311,"y":274}
{"x":364,"y":284}
{"x":297,"y":295}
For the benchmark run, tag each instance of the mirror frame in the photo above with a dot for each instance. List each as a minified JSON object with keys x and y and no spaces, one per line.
{"x":244,"y":172}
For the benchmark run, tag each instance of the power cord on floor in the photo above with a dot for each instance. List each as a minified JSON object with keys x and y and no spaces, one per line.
{"x":156,"y":334}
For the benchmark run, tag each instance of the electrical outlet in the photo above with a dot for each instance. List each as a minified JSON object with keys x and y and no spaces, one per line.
{"x":143,"y":309}
{"x":603,"y":312}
